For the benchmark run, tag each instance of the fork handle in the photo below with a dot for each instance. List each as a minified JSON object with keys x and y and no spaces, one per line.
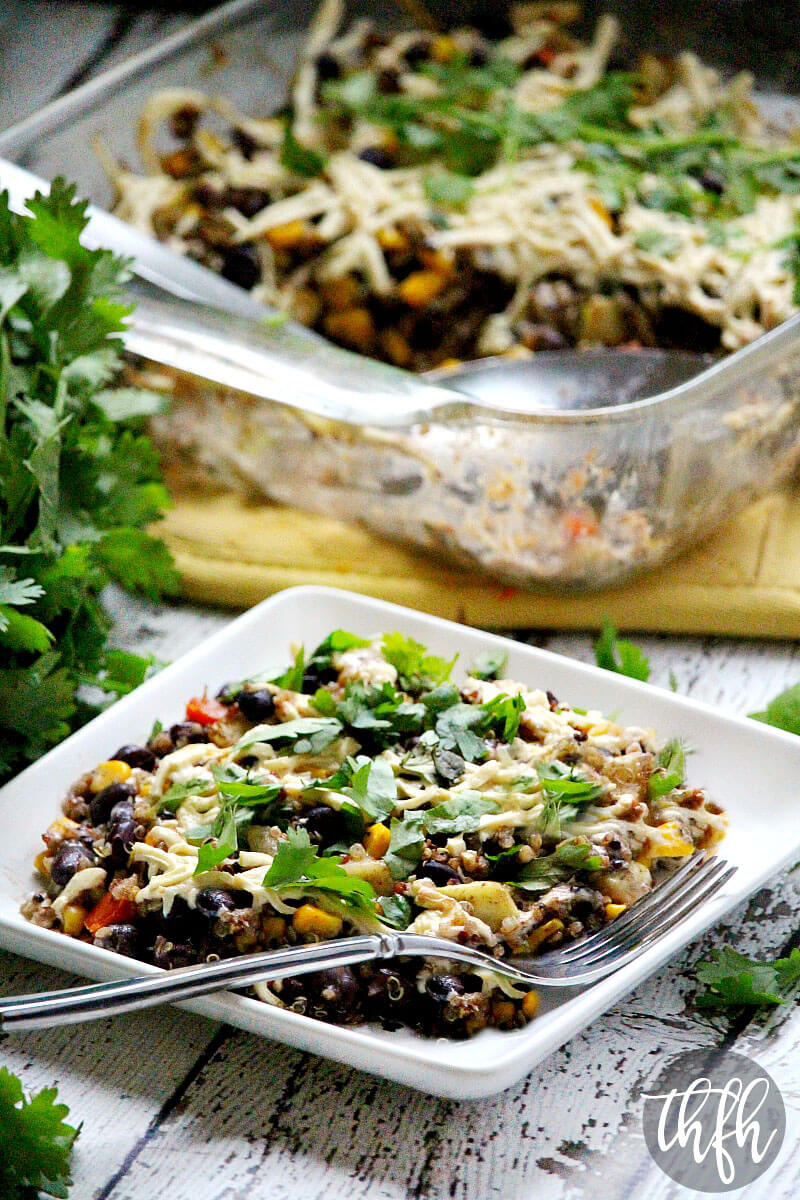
{"x":68,"y":1006}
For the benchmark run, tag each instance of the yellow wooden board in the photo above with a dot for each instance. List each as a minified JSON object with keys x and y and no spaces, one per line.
{"x":745,"y":580}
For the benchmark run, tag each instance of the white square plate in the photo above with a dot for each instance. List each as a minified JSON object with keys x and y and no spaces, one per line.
{"x":751,"y":769}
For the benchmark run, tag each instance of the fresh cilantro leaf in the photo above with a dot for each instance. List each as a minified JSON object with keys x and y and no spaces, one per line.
{"x":395,"y":911}
{"x":564,"y":792}
{"x":324,"y":702}
{"x":616,"y":654}
{"x":305,"y":735}
{"x":175,"y":795}
{"x":18,"y":631}
{"x":671,"y":770}
{"x":37,"y":1142}
{"x":292,"y":678}
{"x":224,"y":841}
{"x":447,"y":189}
{"x":373,"y":789}
{"x":783,"y":711}
{"x":417,"y":670}
{"x":407,"y":839}
{"x":732,"y":979}
{"x":489,"y":664}
{"x":502,"y":714}
{"x":297,"y":865}
{"x":655,"y":241}
{"x":566,"y":860}
{"x":300,"y":159}
{"x":18,"y":591}
{"x":336,"y":642}
{"x":460,"y":814}
{"x":455,"y":729}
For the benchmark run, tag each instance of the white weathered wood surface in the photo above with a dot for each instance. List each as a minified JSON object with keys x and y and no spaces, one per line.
{"x":175,"y":1107}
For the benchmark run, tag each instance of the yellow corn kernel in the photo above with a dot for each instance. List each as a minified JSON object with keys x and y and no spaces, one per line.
{"x":376,"y":843}
{"x":614,"y":910}
{"x":309,"y":920}
{"x":601,"y":210}
{"x":443,"y":48}
{"x":420,"y":287}
{"x":62,"y":827}
{"x":396,"y":347}
{"x":42,"y":862}
{"x":354,"y":326}
{"x":669,"y":842}
{"x":503,"y":1012}
{"x":72,"y":919}
{"x":339,"y":293}
{"x":286,"y":237}
{"x":544,"y":932}
{"x":109,"y":772}
{"x":440,"y":261}
{"x":530,"y":1005}
{"x":449,"y":364}
{"x":392,"y":239}
{"x":273,"y":929}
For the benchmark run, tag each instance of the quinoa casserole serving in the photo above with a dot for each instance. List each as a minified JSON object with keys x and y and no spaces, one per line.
{"x":360,"y":790}
{"x":429,"y":197}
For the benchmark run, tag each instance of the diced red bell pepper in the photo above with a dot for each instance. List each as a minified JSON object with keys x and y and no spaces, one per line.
{"x":205,"y":711}
{"x":109,"y":911}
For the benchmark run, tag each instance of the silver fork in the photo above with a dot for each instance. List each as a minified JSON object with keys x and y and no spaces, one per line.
{"x":576,"y":965}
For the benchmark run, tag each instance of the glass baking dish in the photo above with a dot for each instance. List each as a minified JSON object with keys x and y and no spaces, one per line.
{"x":579,"y":499}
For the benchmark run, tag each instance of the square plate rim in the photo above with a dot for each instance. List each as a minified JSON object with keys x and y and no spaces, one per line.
{"x":465,"y":1080}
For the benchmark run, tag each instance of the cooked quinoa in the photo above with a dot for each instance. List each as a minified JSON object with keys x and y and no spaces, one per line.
{"x":435,"y":197}
{"x":359,"y":790}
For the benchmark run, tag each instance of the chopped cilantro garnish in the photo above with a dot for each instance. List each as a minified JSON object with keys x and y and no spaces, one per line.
{"x":488,"y":664}
{"x":297,"y":865}
{"x":551,"y":869}
{"x":300,"y":159}
{"x":671,"y":770}
{"x":36,"y":1140}
{"x":292,"y":677}
{"x":564,"y":792}
{"x":460,"y":814}
{"x":616,"y":654}
{"x":447,"y":189}
{"x":305,"y":735}
{"x":783,"y":711}
{"x":369,"y":784}
{"x":405,"y":846}
{"x":417,"y":670}
{"x":395,"y":911}
{"x":733,"y":979}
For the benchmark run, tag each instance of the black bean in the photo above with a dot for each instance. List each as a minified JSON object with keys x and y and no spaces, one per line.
{"x":122,"y":939}
{"x":324,"y":825}
{"x":337,"y":990}
{"x":70,"y":858}
{"x":327,"y":66}
{"x":136,"y":756}
{"x":244,"y":143}
{"x":377,"y":156}
{"x":419,"y":51}
{"x":212,"y":902}
{"x":183,"y":120}
{"x":441,"y":988}
{"x":478,"y":57}
{"x":121,"y":832}
{"x":169,"y":954}
{"x":712,"y":181}
{"x":438,"y":873}
{"x":389,"y":81}
{"x":256,"y":706}
{"x":242,"y":266}
{"x":185,"y":732}
{"x":248,"y":201}
{"x":315,"y":677}
{"x":103,"y":802}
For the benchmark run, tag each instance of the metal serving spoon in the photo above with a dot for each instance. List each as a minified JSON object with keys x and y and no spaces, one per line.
{"x":577,"y":965}
{"x":192,"y":320}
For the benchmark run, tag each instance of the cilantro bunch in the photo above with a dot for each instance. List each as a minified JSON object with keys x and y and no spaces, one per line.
{"x":36,"y":1142}
{"x":79,"y":480}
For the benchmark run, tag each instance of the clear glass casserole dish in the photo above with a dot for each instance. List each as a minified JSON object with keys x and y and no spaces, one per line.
{"x":577,"y":499}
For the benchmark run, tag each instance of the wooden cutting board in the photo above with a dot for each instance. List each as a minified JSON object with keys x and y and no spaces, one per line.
{"x":745,"y":580}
